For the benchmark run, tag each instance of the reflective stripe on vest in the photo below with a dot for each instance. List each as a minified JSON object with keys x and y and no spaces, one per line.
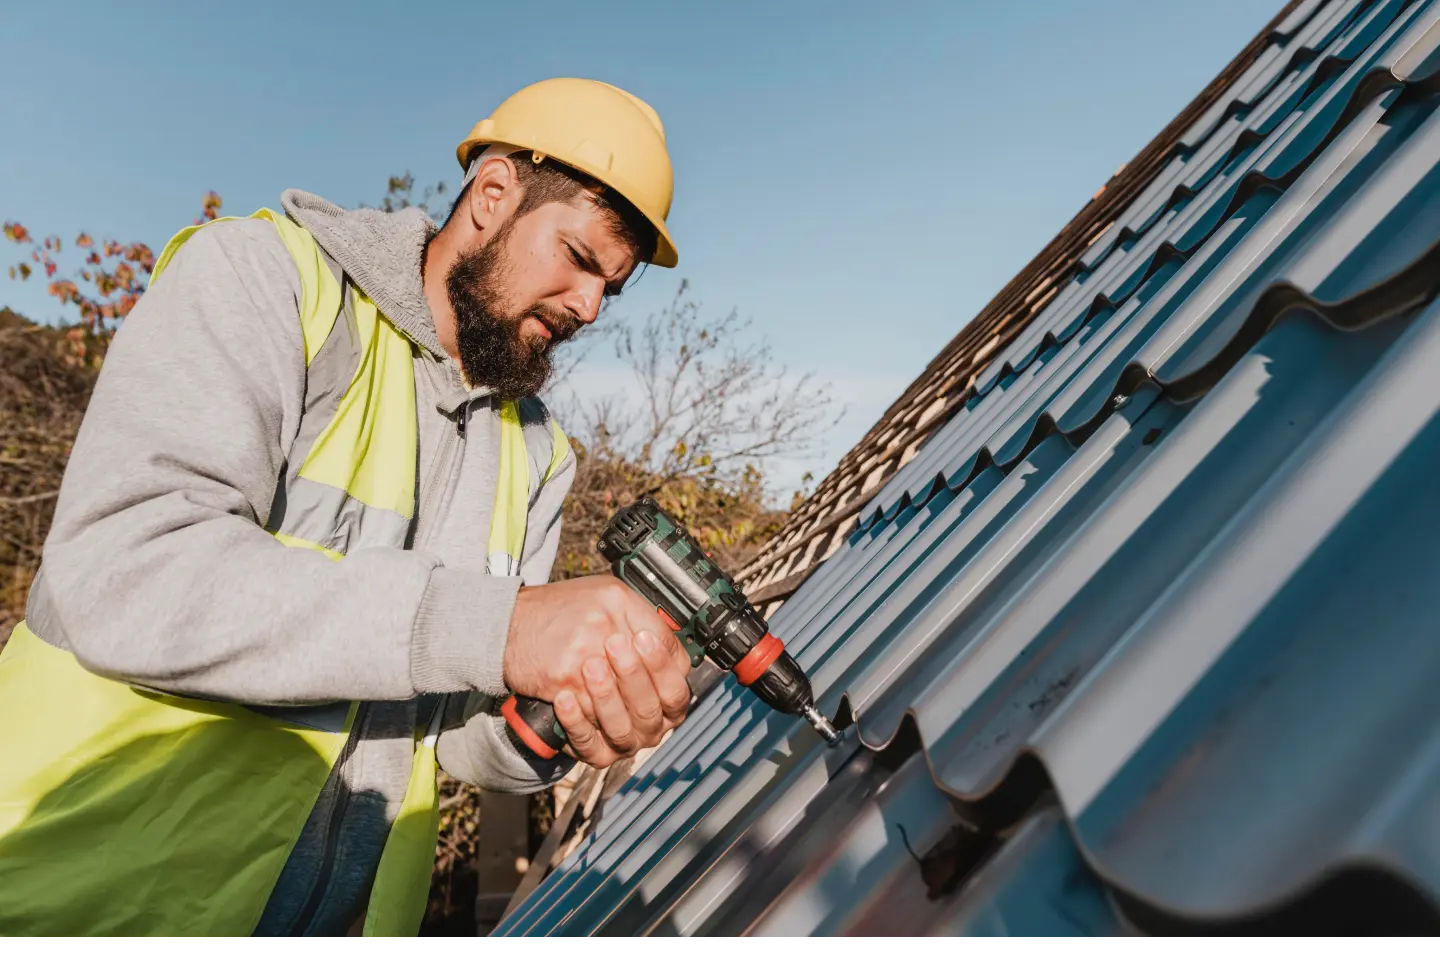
{"x":111,"y":793}
{"x":526,"y":428}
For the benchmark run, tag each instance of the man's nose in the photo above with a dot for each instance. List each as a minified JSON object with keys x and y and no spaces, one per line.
{"x":584,"y":300}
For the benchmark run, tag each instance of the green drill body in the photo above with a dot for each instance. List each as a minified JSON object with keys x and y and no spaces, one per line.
{"x":659,"y":560}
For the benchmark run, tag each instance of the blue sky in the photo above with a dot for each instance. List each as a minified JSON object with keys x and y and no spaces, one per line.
{"x":857,"y":178}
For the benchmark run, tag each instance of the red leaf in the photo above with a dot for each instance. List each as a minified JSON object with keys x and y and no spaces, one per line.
{"x":65,"y":291}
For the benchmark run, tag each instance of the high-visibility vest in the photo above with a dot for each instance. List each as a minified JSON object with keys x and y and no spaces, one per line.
{"x":128,"y":811}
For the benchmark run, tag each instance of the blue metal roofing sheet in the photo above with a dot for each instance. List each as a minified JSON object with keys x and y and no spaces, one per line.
{"x":1142,"y":638}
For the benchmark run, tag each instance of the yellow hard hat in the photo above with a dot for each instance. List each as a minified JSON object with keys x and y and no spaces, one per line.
{"x":597,"y":128}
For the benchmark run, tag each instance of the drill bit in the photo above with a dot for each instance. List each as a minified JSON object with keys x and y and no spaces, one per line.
{"x":822,"y":725}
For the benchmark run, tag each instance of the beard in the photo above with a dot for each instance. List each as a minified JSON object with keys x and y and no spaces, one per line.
{"x":493,"y":350}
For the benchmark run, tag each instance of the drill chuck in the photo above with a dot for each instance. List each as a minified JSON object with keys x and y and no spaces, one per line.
{"x":782,"y":686}
{"x":785,"y":688}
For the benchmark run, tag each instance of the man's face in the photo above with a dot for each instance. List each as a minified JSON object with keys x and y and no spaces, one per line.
{"x":538,"y":279}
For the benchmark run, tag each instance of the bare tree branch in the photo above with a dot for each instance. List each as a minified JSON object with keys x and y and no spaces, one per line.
{"x":704,"y":408}
{"x":28,"y":498}
{"x":711,"y":401}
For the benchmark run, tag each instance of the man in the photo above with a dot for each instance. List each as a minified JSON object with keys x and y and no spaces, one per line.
{"x":300,"y":551}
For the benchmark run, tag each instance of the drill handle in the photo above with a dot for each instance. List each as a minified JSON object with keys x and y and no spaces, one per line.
{"x":532,"y":723}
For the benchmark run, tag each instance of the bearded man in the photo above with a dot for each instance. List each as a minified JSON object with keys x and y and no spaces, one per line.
{"x":300,"y":553}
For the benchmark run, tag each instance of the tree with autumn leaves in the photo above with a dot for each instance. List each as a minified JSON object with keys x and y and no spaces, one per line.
{"x":110,"y":278}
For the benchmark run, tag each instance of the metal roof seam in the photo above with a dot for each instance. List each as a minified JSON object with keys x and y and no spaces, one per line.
{"x":1002,"y":318}
{"x":1372,"y":86}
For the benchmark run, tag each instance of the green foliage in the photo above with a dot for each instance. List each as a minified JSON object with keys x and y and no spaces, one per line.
{"x":400,"y":194}
{"x":729,"y":515}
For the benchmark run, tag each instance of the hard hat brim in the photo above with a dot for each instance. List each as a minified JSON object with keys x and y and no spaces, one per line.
{"x":665,"y":256}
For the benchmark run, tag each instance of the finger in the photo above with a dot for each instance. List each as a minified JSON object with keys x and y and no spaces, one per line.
{"x":672,"y":651}
{"x":671,"y":686}
{"x":681,"y":658}
{"x":675,"y":650}
{"x":610,"y":711}
{"x":585,"y":740}
{"x":646,"y":618}
{"x":637,"y":688}
{"x":587,"y":707}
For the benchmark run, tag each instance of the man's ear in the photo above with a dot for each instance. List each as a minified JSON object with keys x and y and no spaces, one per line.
{"x":494,"y":193}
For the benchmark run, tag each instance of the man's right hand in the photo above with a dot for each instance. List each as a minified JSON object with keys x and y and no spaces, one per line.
{"x":602,"y":656}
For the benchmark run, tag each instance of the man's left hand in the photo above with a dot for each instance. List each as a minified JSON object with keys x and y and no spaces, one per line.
{"x":638,"y":696}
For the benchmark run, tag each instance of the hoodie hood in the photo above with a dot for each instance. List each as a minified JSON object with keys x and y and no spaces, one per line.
{"x":382,"y":251}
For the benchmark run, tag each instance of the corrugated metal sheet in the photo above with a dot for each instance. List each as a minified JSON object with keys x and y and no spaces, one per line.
{"x":1144,"y":638}
{"x":822,"y":523}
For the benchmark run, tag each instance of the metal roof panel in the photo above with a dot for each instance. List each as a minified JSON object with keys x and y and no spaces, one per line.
{"x":1141,"y":638}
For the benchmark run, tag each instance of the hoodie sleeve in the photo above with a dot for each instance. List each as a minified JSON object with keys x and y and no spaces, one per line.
{"x":476,"y":749}
{"x":157,"y":569}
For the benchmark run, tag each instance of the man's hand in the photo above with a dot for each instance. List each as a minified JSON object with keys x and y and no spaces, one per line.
{"x":601,"y":655}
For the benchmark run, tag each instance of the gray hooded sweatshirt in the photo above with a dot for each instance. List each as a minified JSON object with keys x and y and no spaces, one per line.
{"x":158,"y":570}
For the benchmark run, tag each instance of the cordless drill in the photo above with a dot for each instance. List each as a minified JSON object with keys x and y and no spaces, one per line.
{"x":655,"y":556}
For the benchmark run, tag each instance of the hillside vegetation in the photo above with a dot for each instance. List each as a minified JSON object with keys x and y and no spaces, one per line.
{"x":46,"y":375}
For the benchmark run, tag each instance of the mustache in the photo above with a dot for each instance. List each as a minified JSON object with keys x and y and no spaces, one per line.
{"x":561,"y":323}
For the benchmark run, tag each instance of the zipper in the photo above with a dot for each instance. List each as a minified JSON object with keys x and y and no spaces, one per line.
{"x":438,"y":480}
{"x":442,"y":469}
{"x":334,"y":821}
